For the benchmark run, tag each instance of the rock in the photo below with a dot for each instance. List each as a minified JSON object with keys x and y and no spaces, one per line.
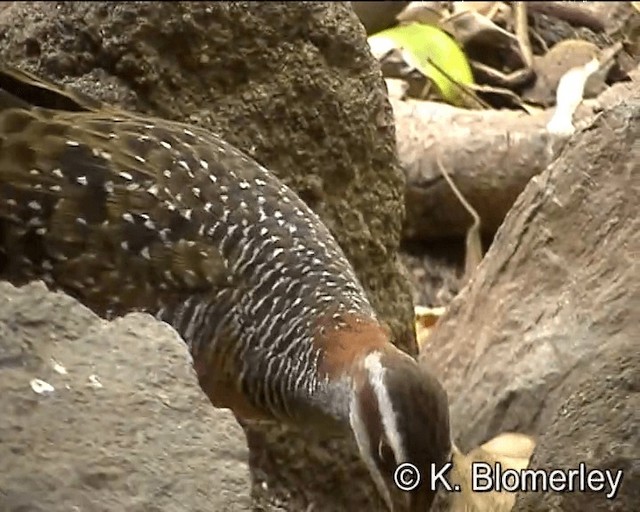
{"x":522,"y":347}
{"x":126,"y":426}
{"x":293,"y":85}
{"x":597,"y":424}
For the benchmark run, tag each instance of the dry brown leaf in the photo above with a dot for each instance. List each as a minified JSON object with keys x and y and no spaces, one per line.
{"x":552,"y":66}
{"x":512,"y":445}
{"x":425,"y":320}
{"x":472,"y":27}
{"x":511,"y":450}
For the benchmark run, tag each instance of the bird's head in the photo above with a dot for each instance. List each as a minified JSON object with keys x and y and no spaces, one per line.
{"x":399,"y":415}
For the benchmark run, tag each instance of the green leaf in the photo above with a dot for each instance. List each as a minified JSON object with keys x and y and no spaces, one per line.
{"x":429,"y":50}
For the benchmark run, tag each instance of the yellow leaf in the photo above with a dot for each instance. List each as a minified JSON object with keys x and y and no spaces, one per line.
{"x":432,"y":52}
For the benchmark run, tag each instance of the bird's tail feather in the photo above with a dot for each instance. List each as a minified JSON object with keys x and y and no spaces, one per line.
{"x":19,"y":88}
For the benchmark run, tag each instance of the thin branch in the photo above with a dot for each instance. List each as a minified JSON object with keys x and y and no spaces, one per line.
{"x":522,"y":33}
{"x":473,"y":254}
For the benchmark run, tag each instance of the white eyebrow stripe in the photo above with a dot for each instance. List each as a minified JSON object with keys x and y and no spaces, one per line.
{"x":362,"y":437}
{"x":389,"y":419}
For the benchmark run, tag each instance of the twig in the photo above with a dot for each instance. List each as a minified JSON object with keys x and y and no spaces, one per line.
{"x":473,"y":241}
{"x":495,"y":9}
{"x":522,"y":33}
{"x":467,"y":91}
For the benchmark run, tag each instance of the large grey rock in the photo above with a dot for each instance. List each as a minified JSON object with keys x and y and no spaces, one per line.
{"x":126,"y":426}
{"x":599,"y":425}
{"x":533,"y":342}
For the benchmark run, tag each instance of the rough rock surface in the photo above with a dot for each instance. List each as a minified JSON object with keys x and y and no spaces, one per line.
{"x":293,"y":85}
{"x":126,"y":427}
{"x":532,"y":344}
{"x":598,"y":424}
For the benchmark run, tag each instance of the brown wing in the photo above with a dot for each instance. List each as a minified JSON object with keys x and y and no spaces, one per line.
{"x":35,"y":92}
{"x":90,"y":204}
{"x":92,"y":215}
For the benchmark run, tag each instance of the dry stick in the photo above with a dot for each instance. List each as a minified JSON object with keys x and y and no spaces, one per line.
{"x":522,"y":33}
{"x":473,"y":241}
{"x":461,"y":87}
{"x":571,"y":12}
{"x":495,"y":9}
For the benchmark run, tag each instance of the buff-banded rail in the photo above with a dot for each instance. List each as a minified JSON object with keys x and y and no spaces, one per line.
{"x":132,"y":213}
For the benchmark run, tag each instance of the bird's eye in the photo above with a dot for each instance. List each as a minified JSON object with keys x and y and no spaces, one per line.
{"x":385,"y":452}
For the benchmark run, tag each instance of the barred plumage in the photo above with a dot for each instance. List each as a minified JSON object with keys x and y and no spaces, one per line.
{"x":128,"y":213}
{"x":132,"y":213}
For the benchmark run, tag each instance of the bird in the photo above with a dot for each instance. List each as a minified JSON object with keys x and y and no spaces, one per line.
{"x":128,"y":212}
